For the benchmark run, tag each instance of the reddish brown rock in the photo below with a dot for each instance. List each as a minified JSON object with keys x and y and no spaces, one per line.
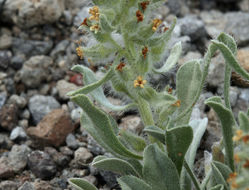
{"x":52,"y":129}
{"x":8,"y":116}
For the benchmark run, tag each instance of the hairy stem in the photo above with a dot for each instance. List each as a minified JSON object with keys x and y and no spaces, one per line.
{"x":192,"y":175}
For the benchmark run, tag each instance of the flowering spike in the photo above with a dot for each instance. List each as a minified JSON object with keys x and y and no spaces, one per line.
{"x":238,"y":136}
{"x":156,"y":23}
{"x":139,"y":82}
{"x":95,"y":13}
{"x":120,"y":66}
{"x":79,"y":51}
{"x":144,"y":5}
{"x":95,"y":28}
{"x":140,"y":16}
{"x":145,"y":51}
{"x":177,"y":103}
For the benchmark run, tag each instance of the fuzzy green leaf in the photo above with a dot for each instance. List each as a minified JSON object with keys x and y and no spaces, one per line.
{"x":133,"y":183}
{"x":218,"y":177}
{"x":199,"y":128}
{"x":94,"y":88}
{"x":227,"y":120}
{"x":228,"y":41}
{"x":231,"y":59}
{"x":188,"y":81}
{"x":159,"y":170}
{"x":178,"y":141}
{"x":224,"y":169}
{"x":244,"y":121}
{"x":163,"y":38}
{"x":81,"y":184}
{"x":156,"y":132}
{"x":217,"y":187}
{"x":98,"y":52}
{"x":102,"y":126}
{"x":172,"y":59}
{"x":134,"y":141}
{"x":116,"y":165}
{"x":105,"y":24}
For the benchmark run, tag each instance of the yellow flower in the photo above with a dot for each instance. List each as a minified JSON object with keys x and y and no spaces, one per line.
{"x":177,"y":103}
{"x":95,"y":13}
{"x":139,"y":82}
{"x":79,"y":51}
{"x":156,"y":23}
{"x":238,"y":136}
{"x":95,"y":28}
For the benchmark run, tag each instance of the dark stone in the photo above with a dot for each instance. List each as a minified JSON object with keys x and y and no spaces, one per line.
{"x":41,"y":165}
{"x":8,"y":116}
{"x":5,"y":57}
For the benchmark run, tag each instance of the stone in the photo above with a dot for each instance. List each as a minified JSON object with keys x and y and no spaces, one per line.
{"x":177,"y":7}
{"x":233,"y":23}
{"x":82,"y":156}
{"x":9,"y":185}
{"x":5,"y":41}
{"x":5,"y":169}
{"x":20,"y":101}
{"x":216,"y":71}
{"x":8,"y":116}
{"x":244,"y":95}
{"x":58,"y":157}
{"x":243,"y":58}
{"x":83,"y":13}
{"x":66,"y":151}
{"x":110,"y":178}
{"x":39,"y":106}
{"x":17,"y":61}
{"x":192,"y":26}
{"x":132,"y":123}
{"x":41,"y":164}
{"x":76,"y":114}
{"x":233,"y":95}
{"x":244,"y":5}
{"x":35,"y":70}
{"x":5,"y":58}
{"x":71,"y":141}
{"x":189,"y":56}
{"x":60,"y":48}
{"x":32,"y":12}
{"x":18,"y":134}
{"x":26,"y":186}
{"x":5,"y":142}
{"x":64,"y":87}
{"x":42,"y":185}
{"x":18,"y":157}
{"x":3,"y":97}
{"x":52,"y":129}
{"x":31,"y":47}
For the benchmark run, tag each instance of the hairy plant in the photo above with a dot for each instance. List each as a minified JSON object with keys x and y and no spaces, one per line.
{"x":130,"y":42}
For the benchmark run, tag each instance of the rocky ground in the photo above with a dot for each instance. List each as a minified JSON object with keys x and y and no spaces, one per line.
{"x":41,"y":141}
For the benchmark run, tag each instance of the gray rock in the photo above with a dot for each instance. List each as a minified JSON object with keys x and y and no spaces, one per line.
{"x":39,"y":106}
{"x":82,"y":156}
{"x":189,"y":56}
{"x":8,"y":185}
{"x":5,"y":58}
{"x":8,"y":116}
{"x":75,"y":114}
{"x":110,"y":178}
{"x":234,"y":23}
{"x":81,"y":15}
{"x":26,"y":186}
{"x":72,"y":141}
{"x":3,"y":97}
{"x":35,"y":70}
{"x":76,"y":4}
{"x":41,"y":164}
{"x":20,"y":101}
{"x":216,"y":71}
{"x":60,"y":48}
{"x":244,"y":95}
{"x":192,"y":26}
{"x":18,"y":157}
{"x":5,"y":41}
{"x":244,"y":5}
{"x":17,"y":61}
{"x":31,"y":13}
{"x":64,"y":87}
{"x":58,"y":157}
{"x":31,"y":47}
{"x":6,"y":170}
{"x":68,"y":17}
{"x":233,"y":95}
{"x":132,"y":123}
{"x":17,"y":134}
{"x":178,"y":7}
{"x":5,"y":142}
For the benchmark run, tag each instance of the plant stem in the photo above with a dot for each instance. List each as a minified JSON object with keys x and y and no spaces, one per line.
{"x":227,"y":85}
{"x":206,"y":180}
{"x":192,"y":175}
